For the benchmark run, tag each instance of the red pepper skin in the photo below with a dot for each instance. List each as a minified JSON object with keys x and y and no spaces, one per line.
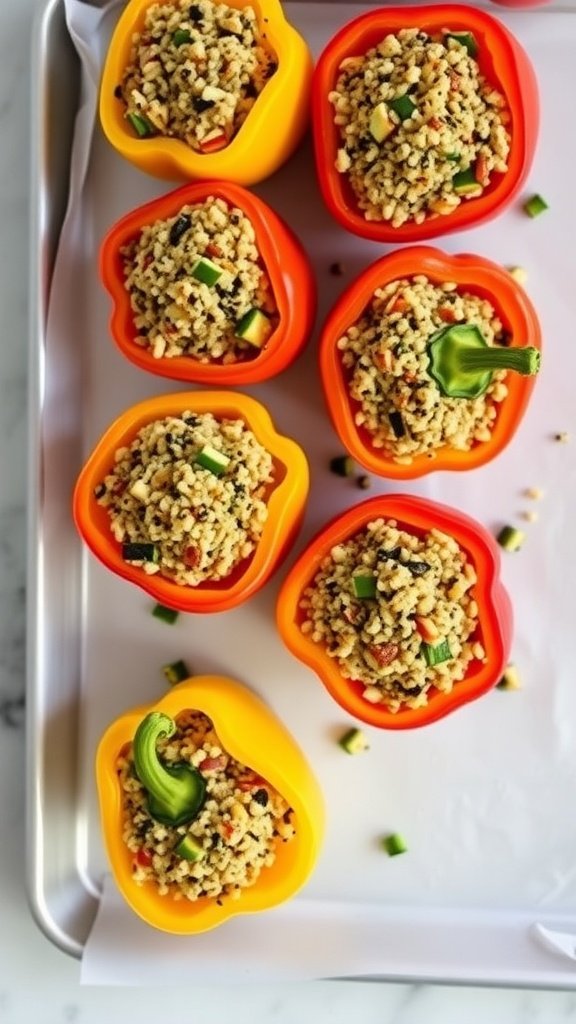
{"x":416,"y":515}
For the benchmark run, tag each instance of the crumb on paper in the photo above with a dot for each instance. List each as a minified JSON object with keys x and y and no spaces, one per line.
{"x":530,"y":516}
{"x":336,"y":269}
{"x":364,"y":482}
{"x":520,"y":274}
{"x":534,"y":493}
{"x":562,"y":436}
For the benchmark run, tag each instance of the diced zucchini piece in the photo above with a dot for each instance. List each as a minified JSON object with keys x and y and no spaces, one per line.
{"x":394,"y":844}
{"x":465,"y":39}
{"x":210,"y":458}
{"x":510,"y":538}
{"x":364,"y":586}
{"x":455,"y":157}
{"x":380,"y":126}
{"x":140,"y":490}
{"x":137,"y":551}
{"x":403,"y":106}
{"x":464,"y":182}
{"x":140,"y":124}
{"x":168,"y":615}
{"x":535,"y":206}
{"x":510,"y":679}
{"x":181,"y":36}
{"x":190,"y":849}
{"x":206,"y":271}
{"x":175,"y":672}
{"x":254,"y":327}
{"x":354,"y":741}
{"x":434,"y":654}
{"x":343,"y":465}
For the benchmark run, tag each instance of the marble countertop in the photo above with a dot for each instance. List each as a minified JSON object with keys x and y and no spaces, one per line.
{"x":37,"y":980}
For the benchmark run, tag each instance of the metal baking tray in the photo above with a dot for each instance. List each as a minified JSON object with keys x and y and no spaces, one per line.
{"x":459,"y":905}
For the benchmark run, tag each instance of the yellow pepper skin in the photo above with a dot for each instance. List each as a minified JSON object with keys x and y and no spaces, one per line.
{"x":251,"y":733}
{"x":272,"y":130}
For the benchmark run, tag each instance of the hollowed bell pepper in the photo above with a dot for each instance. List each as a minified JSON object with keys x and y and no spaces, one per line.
{"x":250,"y":733}
{"x":415,"y":515}
{"x":289,"y":271}
{"x":471,"y":273}
{"x":272,"y":130}
{"x":502,"y":61}
{"x":285,"y":501}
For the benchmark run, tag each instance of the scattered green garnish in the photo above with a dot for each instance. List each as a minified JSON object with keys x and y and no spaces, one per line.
{"x":181,"y":36}
{"x":434,"y":654}
{"x":343,"y":465}
{"x":510,"y":538}
{"x":535,"y":206}
{"x":354,"y":741}
{"x":140,"y":124}
{"x":510,"y":679}
{"x":364,"y":586}
{"x":465,"y":39}
{"x":394,"y":844}
{"x":168,"y":615}
{"x":176,"y":672}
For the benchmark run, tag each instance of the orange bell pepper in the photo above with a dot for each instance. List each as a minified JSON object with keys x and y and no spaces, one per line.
{"x":418,"y":516}
{"x":251,"y":734}
{"x":272,"y":130}
{"x":472,"y":273}
{"x":503,"y":62}
{"x":286,"y":501}
{"x":291,"y":278}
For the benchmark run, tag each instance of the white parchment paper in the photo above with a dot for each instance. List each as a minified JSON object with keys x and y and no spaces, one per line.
{"x":483,"y":796}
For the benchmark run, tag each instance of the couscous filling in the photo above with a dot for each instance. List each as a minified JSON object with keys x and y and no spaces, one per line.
{"x":397,"y":612}
{"x":195,"y":72}
{"x":187,"y":497}
{"x":229,"y":841}
{"x":421,"y":128}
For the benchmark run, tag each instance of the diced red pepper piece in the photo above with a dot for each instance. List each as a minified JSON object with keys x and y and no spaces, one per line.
{"x":383,"y":654}
{"x":212,"y":143}
{"x":144,"y":858}
{"x":213,"y":764}
{"x":481,"y":169}
{"x":447,"y":314}
{"x":213,"y":250}
{"x":191,"y":557}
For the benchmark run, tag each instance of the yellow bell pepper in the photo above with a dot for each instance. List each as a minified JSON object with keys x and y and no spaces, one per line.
{"x":250,"y":733}
{"x":272,"y":130}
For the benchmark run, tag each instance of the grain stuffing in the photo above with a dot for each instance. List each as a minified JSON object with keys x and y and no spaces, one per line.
{"x":234,"y":836}
{"x":187,"y":498}
{"x":420,"y":128}
{"x":385,"y":357}
{"x":396,"y":611}
{"x":196,"y":283}
{"x":195,"y":72}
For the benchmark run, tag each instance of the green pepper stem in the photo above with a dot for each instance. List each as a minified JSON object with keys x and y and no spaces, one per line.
{"x":175,"y":793}
{"x":522,"y":360}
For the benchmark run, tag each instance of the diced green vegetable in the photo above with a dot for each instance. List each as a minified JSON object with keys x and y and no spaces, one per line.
{"x":181,"y":36}
{"x":510,"y":538}
{"x":137,"y":551}
{"x":210,"y":458}
{"x":455,"y":157}
{"x":206,"y":271}
{"x":190,"y":849}
{"x":465,"y":39}
{"x":176,"y":793}
{"x":343,"y":465}
{"x":254,"y":327}
{"x":435,"y":654}
{"x":175,"y":672}
{"x":364,"y":586}
{"x":535,"y":206}
{"x":403,"y":106}
{"x":462,"y":362}
{"x":168,"y":615}
{"x":140,"y":124}
{"x":464,"y":182}
{"x":394,"y":844}
{"x":354,"y":741}
{"x":380,"y":126}
{"x":397,"y":423}
{"x":510,"y":679}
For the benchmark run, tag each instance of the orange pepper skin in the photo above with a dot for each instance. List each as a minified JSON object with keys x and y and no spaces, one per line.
{"x":286,"y":501}
{"x":472,"y":273}
{"x":416,"y":515}
{"x":252,"y":734}
{"x":291,"y":278}
{"x":501,"y":59}
{"x":269,"y":135}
